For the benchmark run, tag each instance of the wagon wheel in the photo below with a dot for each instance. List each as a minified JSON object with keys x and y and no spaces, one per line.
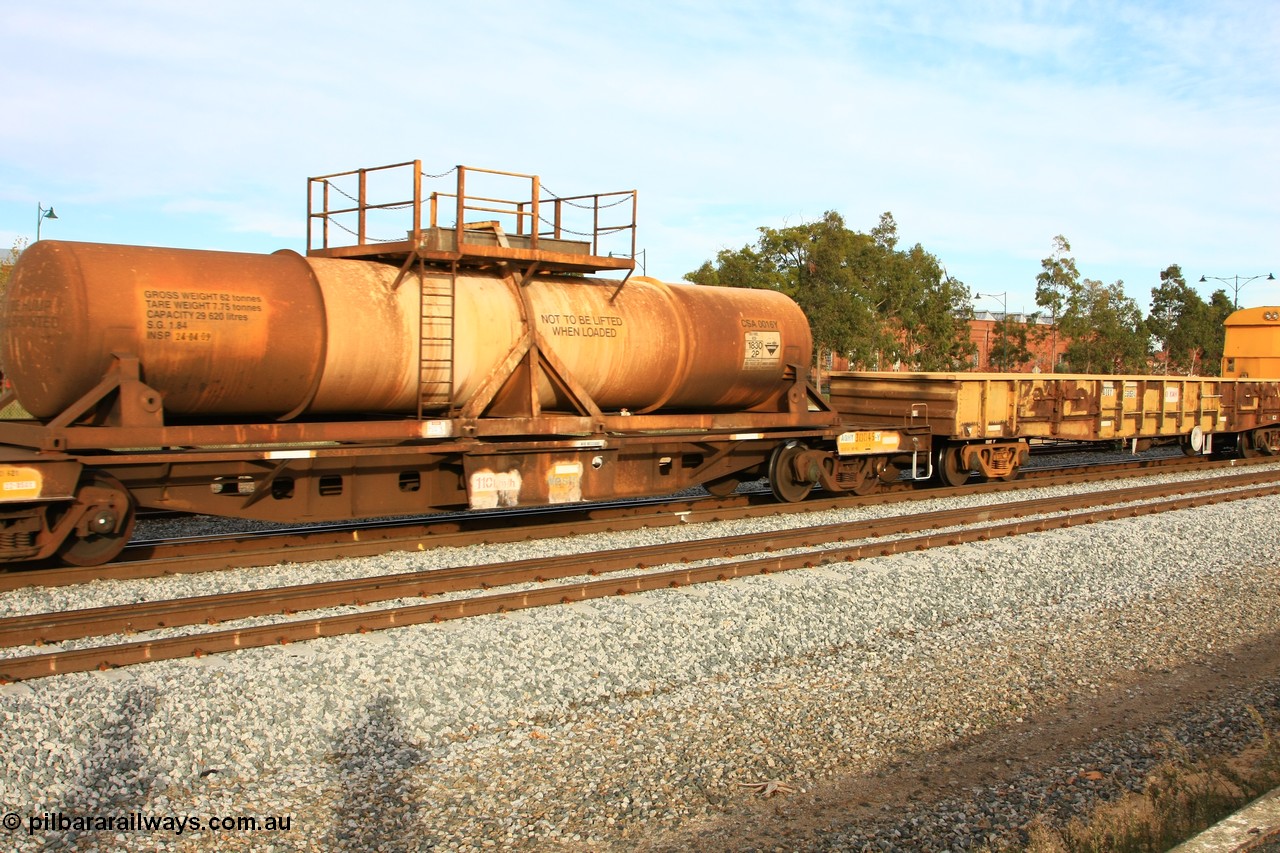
{"x":786,"y":486}
{"x":947,"y":466}
{"x":110,"y":518}
{"x":1247,"y":446}
{"x":1255,"y":444}
{"x":723,"y":486}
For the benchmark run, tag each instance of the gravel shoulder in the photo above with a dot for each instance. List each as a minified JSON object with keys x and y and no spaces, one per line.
{"x":869,"y":689}
{"x":1055,"y":764}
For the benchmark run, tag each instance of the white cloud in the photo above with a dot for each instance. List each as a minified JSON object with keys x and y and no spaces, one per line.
{"x":1143,"y":131}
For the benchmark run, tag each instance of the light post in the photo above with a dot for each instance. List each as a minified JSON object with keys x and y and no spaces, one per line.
{"x":1236,"y":284}
{"x":640,"y":256}
{"x":1004,"y":318}
{"x":43,"y":213}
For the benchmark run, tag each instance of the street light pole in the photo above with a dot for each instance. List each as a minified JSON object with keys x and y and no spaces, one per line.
{"x":1004,"y":318}
{"x":1236,"y":284}
{"x":43,"y":213}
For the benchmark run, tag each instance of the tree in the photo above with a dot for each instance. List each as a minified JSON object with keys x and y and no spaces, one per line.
{"x":934,"y":326}
{"x":1220,"y":308}
{"x":1183,"y":324}
{"x":1108,"y":334}
{"x":1011,"y":348}
{"x":863,"y":296}
{"x":809,"y":263}
{"x":1104,"y":328}
{"x":1058,"y":279}
{"x":7,"y":262}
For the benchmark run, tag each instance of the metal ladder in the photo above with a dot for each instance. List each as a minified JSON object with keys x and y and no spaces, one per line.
{"x":435,"y":342}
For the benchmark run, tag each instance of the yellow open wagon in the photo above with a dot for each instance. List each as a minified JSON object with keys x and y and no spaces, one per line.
{"x":983,"y":421}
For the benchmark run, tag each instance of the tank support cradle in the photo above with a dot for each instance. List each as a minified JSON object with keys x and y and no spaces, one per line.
{"x":135,"y":403}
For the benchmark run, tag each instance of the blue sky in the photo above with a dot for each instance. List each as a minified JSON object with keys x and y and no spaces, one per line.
{"x":1146,"y":133}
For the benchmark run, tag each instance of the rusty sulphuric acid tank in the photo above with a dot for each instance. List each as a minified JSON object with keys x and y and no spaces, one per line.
{"x":233,"y":334}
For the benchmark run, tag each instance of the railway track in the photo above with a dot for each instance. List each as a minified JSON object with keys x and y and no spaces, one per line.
{"x":187,"y":555}
{"x":738,"y":556}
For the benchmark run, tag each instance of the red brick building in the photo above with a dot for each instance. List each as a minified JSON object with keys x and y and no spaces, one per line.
{"x":1042,"y":341}
{"x":984,"y":332}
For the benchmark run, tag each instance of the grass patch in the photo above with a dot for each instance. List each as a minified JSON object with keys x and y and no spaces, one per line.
{"x":1182,"y":798}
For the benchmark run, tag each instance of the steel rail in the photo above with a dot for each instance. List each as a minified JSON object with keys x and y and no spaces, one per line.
{"x":12,"y":669}
{"x":235,"y":551}
{"x":54,"y":627}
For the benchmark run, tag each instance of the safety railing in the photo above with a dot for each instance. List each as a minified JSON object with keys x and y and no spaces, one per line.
{"x":483,"y":210}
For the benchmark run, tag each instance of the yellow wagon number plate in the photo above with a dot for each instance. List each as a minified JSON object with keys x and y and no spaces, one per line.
{"x":867,"y":441}
{"x":19,"y":484}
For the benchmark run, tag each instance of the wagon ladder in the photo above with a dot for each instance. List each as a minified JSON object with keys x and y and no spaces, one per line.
{"x":435,"y":342}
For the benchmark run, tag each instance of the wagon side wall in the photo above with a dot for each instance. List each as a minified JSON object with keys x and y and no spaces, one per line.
{"x":1059,"y":406}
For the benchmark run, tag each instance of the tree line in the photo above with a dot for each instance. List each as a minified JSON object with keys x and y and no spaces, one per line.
{"x":881,"y":306}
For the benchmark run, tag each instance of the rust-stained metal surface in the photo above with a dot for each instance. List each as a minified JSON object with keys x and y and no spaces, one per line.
{"x":469,"y":216}
{"x":214,"y":330}
{"x":354,"y":539}
{"x":643,"y":346}
{"x":985,"y":407}
{"x":335,"y":481}
{"x":279,"y":336}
